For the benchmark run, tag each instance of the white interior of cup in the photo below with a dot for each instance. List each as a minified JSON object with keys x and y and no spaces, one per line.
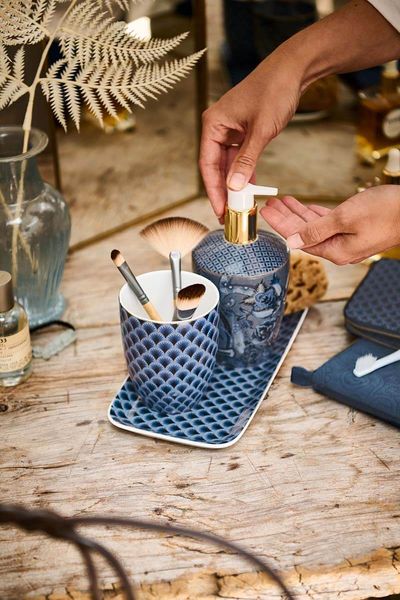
{"x":158,"y":288}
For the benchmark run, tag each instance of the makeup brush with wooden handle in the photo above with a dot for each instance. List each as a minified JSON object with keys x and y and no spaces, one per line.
{"x":188,"y":300}
{"x":134,"y":285}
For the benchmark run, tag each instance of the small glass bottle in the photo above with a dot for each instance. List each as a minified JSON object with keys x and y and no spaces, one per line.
{"x":379,"y":123}
{"x":15,"y":343}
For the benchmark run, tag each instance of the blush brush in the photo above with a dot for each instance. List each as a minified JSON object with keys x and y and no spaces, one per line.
{"x":188,"y":299}
{"x":174,"y":237}
{"x":134,"y":285}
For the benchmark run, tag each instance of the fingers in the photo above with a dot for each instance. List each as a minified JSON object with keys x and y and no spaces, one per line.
{"x":308,"y":213}
{"x":320,"y":210}
{"x":281,"y":218}
{"x":288,"y":215}
{"x":244,"y":163}
{"x":315,"y":232}
{"x":212,"y":166}
{"x":339,"y":249}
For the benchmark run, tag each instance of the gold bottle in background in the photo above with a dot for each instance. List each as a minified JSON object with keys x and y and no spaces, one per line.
{"x":379,"y":122}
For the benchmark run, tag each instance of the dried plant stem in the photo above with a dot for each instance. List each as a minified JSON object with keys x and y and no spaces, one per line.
{"x":23,"y":241}
{"x":27,"y":125}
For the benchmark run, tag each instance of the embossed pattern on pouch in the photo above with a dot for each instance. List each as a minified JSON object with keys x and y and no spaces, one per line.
{"x":374,"y":308}
{"x":377,"y":393}
{"x":228,"y":404}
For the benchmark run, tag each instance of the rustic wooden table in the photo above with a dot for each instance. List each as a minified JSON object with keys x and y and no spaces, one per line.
{"x":311,"y":486}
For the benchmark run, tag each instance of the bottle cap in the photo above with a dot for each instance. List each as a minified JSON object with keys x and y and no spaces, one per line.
{"x":241,"y":213}
{"x":390,"y":69}
{"x":244,"y":199}
{"x":6,"y":292}
{"x":393,"y":162}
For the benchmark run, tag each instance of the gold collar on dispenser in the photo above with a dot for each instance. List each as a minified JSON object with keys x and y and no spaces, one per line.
{"x":241,"y":227}
{"x":241,"y":213}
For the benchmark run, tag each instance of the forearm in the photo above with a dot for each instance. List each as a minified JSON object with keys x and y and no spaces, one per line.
{"x":355,"y":37}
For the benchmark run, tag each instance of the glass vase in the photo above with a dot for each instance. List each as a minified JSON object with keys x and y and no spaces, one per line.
{"x":34,"y":227}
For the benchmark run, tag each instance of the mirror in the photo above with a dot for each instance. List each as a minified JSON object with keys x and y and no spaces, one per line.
{"x":145,"y":163}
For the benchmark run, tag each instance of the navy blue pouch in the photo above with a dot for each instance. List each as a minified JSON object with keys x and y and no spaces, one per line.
{"x":377,"y":394}
{"x":373,"y":311}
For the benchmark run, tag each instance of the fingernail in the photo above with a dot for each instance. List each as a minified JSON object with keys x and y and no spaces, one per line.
{"x":295,"y":241}
{"x":237,"y":181}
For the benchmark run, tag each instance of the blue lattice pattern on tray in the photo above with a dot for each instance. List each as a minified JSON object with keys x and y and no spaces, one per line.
{"x":375,"y":306}
{"x":232,"y":396}
{"x":267,"y":253}
{"x":170,"y":363}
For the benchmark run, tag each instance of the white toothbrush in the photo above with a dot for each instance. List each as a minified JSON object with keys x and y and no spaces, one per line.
{"x":369,"y":363}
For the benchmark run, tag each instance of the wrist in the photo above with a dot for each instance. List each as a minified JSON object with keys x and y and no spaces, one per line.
{"x":309,"y":55}
{"x":354,"y":37}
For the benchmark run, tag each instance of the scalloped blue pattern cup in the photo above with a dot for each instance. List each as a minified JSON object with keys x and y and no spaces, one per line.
{"x":169,"y":363}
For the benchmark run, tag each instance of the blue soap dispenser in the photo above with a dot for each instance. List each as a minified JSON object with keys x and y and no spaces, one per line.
{"x":250,"y":267}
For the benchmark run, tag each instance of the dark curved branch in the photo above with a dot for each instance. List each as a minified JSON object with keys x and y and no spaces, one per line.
{"x":63,"y":528}
{"x":186,"y":532}
{"x":91,"y":572}
{"x":112,"y":560}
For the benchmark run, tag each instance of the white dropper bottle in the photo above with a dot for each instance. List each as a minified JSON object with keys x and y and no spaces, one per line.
{"x":391,"y":172}
{"x":241,"y":213}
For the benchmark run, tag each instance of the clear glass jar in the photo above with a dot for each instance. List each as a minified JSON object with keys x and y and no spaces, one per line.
{"x":34,"y":227}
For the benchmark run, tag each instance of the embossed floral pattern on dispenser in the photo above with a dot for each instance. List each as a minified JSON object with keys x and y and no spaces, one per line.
{"x":250,"y":316}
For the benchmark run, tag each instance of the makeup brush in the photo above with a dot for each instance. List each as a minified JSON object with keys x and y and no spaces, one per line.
{"x":188,"y":300}
{"x":173,"y":238}
{"x":174,"y":233}
{"x":134,"y":285}
{"x":175,"y":260}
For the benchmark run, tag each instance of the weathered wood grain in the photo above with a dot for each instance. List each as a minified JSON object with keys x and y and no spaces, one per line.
{"x":311,"y":487}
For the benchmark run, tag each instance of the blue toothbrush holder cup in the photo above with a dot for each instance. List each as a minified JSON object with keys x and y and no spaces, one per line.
{"x":170,"y":363}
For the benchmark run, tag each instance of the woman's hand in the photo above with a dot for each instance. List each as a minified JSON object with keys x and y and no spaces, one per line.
{"x":248,"y":116}
{"x":255,"y":111}
{"x":362,"y":226}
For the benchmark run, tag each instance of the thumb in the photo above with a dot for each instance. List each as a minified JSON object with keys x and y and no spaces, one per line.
{"x":244,"y":164}
{"x":315,"y":232}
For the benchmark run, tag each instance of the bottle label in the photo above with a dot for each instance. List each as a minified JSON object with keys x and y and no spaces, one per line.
{"x":15,"y":351}
{"x":391,"y":124}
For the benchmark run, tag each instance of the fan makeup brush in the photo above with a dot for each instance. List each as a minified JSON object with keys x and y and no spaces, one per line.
{"x":134,"y":285}
{"x":188,"y":299}
{"x":174,"y":237}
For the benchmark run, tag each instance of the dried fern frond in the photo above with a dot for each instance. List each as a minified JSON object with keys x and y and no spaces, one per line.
{"x":89,"y":34}
{"x":25,"y":21}
{"x":122,"y":4}
{"x":12,"y":85}
{"x":102,"y":64}
{"x":103,"y":86}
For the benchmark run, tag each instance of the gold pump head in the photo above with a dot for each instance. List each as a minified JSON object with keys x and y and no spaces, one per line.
{"x":241,"y":213}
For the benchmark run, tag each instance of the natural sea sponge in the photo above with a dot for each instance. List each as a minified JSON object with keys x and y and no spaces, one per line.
{"x":308,"y":282}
